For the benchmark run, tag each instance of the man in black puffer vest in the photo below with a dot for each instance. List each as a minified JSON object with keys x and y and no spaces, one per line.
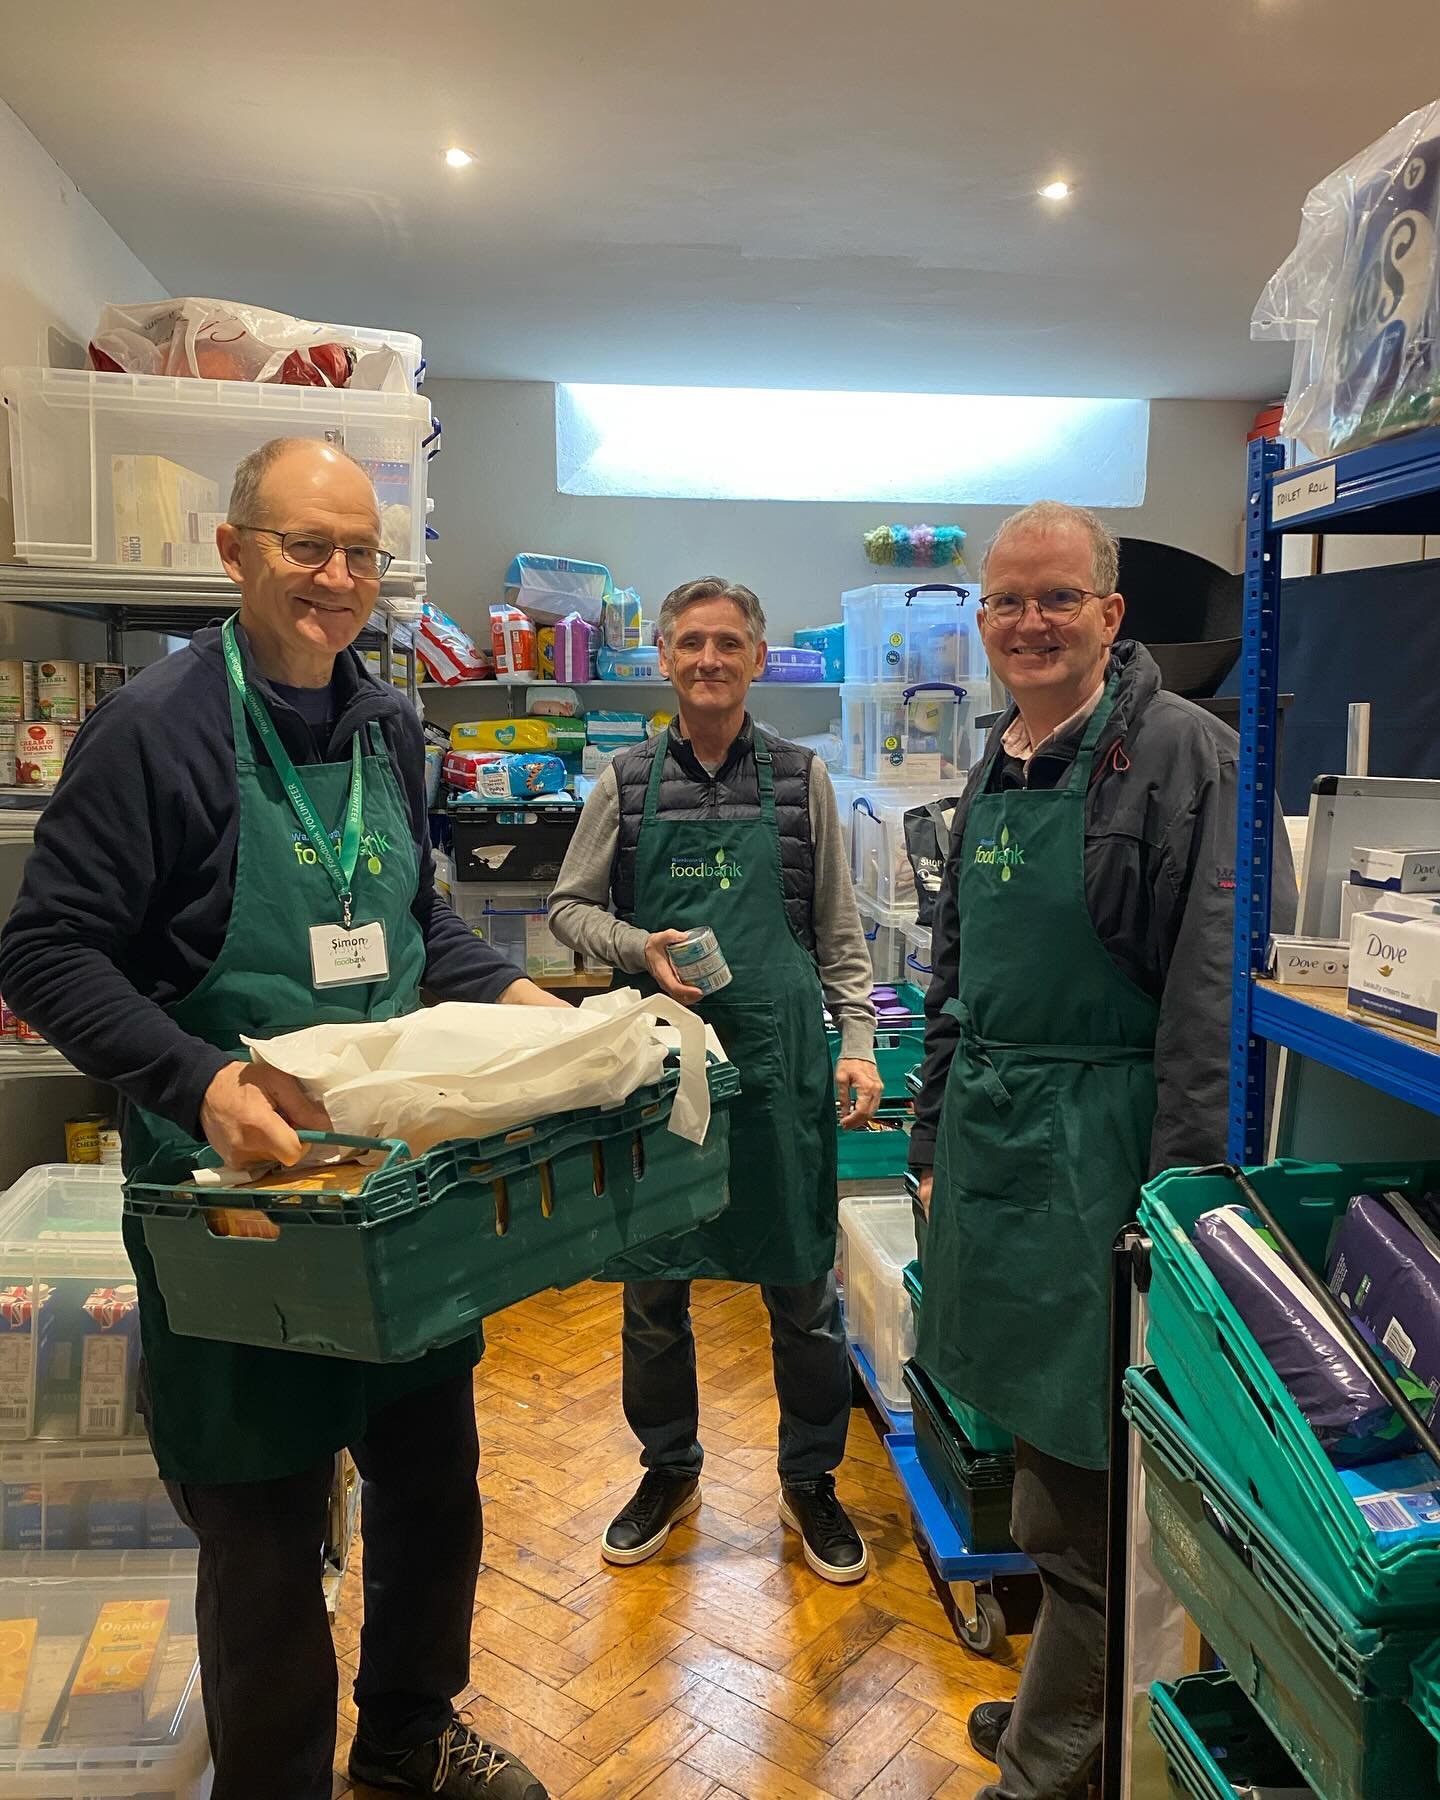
{"x":717,"y":823}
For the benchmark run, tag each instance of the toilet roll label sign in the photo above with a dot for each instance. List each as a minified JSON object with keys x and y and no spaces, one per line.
{"x":1303,"y":493}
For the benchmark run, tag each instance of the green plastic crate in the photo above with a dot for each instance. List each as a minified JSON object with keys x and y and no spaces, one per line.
{"x":1425,"y":1689}
{"x":1333,"y":1691}
{"x":417,"y":1258}
{"x":1215,"y":1741}
{"x":898,"y":1050}
{"x":1226,"y":1391}
{"x":862,"y":1155}
{"x":980,"y":1432}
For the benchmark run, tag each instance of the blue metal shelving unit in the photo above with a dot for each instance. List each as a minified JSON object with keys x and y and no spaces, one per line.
{"x":1388,"y":488}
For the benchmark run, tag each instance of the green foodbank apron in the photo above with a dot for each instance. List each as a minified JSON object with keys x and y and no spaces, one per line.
{"x":779,"y":1227}
{"x":226,"y":1412}
{"x":1045,"y":1132}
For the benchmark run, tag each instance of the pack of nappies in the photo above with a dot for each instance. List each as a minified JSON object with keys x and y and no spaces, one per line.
{"x":1387,"y":1276}
{"x":1324,"y":1377}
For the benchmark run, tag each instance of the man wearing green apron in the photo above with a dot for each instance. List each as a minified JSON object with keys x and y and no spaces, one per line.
{"x":717,"y":823}
{"x":1077,"y":1041}
{"x":218,"y":818}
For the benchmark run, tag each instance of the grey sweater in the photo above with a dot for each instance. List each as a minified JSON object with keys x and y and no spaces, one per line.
{"x":580,"y":915}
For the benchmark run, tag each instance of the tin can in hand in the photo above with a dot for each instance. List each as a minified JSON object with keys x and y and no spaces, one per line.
{"x":699,"y":962}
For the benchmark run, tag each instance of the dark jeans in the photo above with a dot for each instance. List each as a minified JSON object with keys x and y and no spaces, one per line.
{"x":266,"y":1658}
{"x":812,"y":1376}
{"x":1052,"y":1743}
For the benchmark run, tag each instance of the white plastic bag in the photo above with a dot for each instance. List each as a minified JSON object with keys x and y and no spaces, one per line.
{"x":1360,"y":295}
{"x":463,"y":1071}
{"x":226,"y":340}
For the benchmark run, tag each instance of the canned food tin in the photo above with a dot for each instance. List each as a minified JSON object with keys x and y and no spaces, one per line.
{"x":8,"y":1021}
{"x":58,"y":688}
{"x":101,"y":681}
{"x":27,"y":1034}
{"x":694,"y":947}
{"x":699,"y":962}
{"x":110,"y":1144}
{"x":12,"y":689}
{"x":82,"y":1138}
{"x":7,"y":753}
{"x":39,"y":754}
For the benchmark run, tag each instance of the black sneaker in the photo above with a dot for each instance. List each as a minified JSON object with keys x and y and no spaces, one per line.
{"x":643,"y":1523}
{"x":833,"y":1547}
{"x":458,"y":1765}
{"x":986,"y":1726}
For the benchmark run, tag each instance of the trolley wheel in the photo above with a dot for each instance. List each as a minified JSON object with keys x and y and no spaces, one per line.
{"x":976,"y":1617}
{"x":986,"y":1637}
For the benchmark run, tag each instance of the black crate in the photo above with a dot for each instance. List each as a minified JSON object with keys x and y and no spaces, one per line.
{"x":511,"y":843}
{"x":974,"y":1486}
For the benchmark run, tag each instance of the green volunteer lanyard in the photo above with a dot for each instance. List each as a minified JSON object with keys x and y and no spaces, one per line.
{"x":341,"y":869}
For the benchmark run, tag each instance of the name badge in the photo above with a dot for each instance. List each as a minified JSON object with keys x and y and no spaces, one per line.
{"x":341,"y":957}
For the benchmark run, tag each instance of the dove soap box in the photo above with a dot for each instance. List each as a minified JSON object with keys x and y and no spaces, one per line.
{"x":1404,"y":871}
{"x":1395,"y":971}
{"x":1309,"y":961}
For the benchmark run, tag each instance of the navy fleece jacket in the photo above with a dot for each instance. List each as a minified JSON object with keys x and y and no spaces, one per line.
{"x":128,"y":890}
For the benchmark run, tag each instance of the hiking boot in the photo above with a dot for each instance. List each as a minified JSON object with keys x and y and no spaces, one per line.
{"x":643,"y":1523}
{"x":833,"y":1547}
{"x":986,"y":1726}
{"x":458,"y":1765}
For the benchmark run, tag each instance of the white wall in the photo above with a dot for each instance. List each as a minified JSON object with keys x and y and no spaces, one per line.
{"x":59,"y":263}
{"x":494,"y":489}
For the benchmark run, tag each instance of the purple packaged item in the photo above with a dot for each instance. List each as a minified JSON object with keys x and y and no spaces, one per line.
{"x":1336,"y":1395}
{"x":575,"y":642}
{"x":1388,"y":1276}
{"x":787,"y":662}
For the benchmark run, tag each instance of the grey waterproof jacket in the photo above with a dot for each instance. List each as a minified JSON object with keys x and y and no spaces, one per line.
{"x":1160,"y":886}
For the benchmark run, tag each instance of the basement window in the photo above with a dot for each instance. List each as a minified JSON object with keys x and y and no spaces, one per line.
{"x":674,"y":443}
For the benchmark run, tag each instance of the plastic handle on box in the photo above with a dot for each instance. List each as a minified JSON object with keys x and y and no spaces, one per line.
{"x":910,"y":1181}
{"x":936,"y":587}
{"x":397,"y":1150}
{"x":434,"y":438}
{"x":855,"y":806}
{"x":420,"y":369}
{"x":927,"y":687}
{"x":1331,"y":1307}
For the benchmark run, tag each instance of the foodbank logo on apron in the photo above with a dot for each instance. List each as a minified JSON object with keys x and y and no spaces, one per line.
{"x":720,"y":869}
{"x":374,"y":848}
{"x":1002,"y":853}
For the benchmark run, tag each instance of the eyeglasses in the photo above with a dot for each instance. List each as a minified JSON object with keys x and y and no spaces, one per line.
{"x":1059,"y":605}
{"x":307,"y":551}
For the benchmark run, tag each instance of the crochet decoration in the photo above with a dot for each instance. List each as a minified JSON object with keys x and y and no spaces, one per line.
{"x":916,"y":546}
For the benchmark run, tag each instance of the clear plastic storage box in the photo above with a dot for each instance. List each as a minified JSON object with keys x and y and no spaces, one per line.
{"x":142,"y":1737}
{"x":877,"y":1241}
{"x":879,"y":860}
{"x":897,"y":734}
{"x":885,"y":929}
{"x":516,"y":922}
{"x":893,"y":638}
{"x":69,"y":1324}
{"x":64,"y":1507}
{"x":134,"y":471}
{"x":918,"y":951}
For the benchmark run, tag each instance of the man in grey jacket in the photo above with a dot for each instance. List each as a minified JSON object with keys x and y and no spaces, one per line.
{"x":718,"y":823}
{"x":1077,"y":1042}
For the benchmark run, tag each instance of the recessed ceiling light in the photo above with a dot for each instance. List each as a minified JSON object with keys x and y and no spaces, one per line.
{"x":1055,"y":190}
{"x":458,"y":158}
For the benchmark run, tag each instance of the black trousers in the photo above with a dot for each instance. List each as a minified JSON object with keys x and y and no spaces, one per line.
{"x":266,"y":1658}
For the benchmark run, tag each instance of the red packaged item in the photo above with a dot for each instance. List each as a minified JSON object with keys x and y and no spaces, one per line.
{"x":450,"y":654}
{"x":459,"y":770}
{"x":8,"y":1021}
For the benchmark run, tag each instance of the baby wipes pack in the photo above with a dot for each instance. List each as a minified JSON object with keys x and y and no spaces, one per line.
{"x":1385,"y":1271}
{"x":1398,"y":1500}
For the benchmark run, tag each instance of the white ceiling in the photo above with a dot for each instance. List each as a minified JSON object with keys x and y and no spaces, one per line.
{"x":801,"y":193}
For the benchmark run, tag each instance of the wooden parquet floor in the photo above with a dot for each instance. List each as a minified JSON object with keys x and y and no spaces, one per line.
{"x":723,"y":1669}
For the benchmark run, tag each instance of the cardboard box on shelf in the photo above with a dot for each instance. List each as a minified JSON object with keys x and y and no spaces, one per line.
{"x":1355,"y":898}
{"x":1395,"y":971}
{"x":115,"y":1683}
{"x":17,"y":1658}
{"x":1400,"y":871}
{"x":1309,"y":962}
{"x":152,"y":500}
